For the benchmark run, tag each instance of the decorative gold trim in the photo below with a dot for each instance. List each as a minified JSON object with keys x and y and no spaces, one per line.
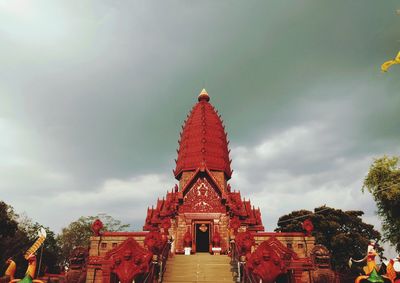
{"x":203,"y":228}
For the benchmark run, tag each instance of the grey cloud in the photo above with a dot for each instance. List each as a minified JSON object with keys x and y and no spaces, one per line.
{"x":97,"y":90}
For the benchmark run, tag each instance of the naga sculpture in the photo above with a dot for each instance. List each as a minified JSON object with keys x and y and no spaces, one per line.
{"x":244,"y":242}
{"x":266,"y":263}
{"x":128,"y":260}
{"x":154,"y":242}
{"x":234,"y":224}
{"x":31,"y":258}
{"x":29,"y":274}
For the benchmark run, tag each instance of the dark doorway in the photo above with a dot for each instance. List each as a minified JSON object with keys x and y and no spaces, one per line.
{"x":114,"y":278}
{"x":283,"y":278}
{"x":202,"y":237}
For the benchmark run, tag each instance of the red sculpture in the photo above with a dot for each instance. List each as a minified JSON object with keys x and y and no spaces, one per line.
{"x":235,"y":204}
{"x":234,"y":224}
{"x":170,"y":205}
{"x":154,"y":242}
{"x":216,"y":240}
{"x":128,"y":260}
{"x":165,"y":225}
{"x":187,"y":239}
{"x":308,"y":226}
{"x":290,"y":259}
{"x":148,"y":225}
{"x":97,"y":225}
{"x":244,"y":242}
{"x":266,"y":263}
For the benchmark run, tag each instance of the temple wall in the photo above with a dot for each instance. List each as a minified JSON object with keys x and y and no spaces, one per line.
{"x":94,"y":275}
{"x":180,"y":231}
{"x":297,"y":242}
{"x":300,"y":244}
{"x":100,"y":245}
{"x":223,"y":230}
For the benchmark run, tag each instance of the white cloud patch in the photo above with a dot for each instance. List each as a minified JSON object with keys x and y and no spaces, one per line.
{"x":302,"y":167}
{"x":126,"y":200}
{"x":271,"y":174}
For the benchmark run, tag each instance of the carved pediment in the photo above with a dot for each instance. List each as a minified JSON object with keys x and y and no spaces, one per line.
{"x":202,"y":197}
{"x":266,"y":263}
{"x":128,"y":260}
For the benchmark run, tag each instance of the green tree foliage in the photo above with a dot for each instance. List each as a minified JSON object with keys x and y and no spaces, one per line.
{"x":78,"y":232}
{"x":342,"y":232}
{"x":17,"y":234}
{"x":50,"y":252}
{"x":13,"y":241}
{"x":383,"y":182}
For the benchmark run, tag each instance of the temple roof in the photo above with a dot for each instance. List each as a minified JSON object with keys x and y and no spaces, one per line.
{"x":203,"y":142}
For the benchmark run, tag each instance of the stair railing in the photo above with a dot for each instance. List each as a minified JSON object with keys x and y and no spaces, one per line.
{"x":238,"y":263}
{"x":163,"y":259}
{"x":158,"y":265}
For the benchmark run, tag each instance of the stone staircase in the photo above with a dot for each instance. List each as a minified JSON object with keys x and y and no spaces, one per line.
{"x":201,"y":267}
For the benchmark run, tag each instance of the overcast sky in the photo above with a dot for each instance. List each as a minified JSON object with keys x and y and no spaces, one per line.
{"x":93,"y":95}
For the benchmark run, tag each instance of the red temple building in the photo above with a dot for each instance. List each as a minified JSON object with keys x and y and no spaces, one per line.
{"x":202,"y":214}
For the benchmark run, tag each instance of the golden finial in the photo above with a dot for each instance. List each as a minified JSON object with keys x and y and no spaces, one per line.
{"x":204,"y":95}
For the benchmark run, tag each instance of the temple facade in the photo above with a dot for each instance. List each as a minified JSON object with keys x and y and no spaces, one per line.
{"x":203,"y":214}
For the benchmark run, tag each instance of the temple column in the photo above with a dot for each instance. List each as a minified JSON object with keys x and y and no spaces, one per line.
{"x":297,"y":275}
{"x":106,"y":274}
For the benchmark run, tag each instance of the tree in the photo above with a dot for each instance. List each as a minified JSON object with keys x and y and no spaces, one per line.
{"x":49,"y":253}
{"x":383,"y":182}
{"x":342,"y":232}
{"x":17,"y":234}
{"x":12,"y":239}
{"x":78,"y":232}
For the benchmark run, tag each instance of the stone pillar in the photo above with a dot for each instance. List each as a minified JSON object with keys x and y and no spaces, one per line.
{"x":90,"y":275}
{"x":310,"y":242}
{"x":297,"y":275}
{"x":106,"y":276}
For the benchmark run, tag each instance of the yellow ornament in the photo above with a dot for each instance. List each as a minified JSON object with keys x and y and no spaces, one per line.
{"x":385,"y":66}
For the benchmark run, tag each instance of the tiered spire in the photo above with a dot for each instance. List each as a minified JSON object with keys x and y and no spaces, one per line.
{"x":203,"y":141}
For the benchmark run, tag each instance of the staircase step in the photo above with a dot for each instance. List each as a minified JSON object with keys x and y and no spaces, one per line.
{"x":198,"y":268}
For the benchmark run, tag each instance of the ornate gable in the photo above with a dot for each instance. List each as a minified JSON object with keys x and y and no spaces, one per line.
{"x":202,"y":197}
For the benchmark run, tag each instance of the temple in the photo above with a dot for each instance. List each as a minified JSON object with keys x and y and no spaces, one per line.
{"x":202,"y":231}
{"x":203,"y":215}
{"x":203,"y":203}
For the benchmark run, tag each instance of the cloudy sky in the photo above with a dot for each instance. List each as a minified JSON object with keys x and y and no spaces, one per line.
{"x":93,"y":95}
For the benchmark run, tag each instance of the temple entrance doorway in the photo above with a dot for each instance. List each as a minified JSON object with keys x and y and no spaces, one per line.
{"x":283,"y":278}
{"x":202,"y":237}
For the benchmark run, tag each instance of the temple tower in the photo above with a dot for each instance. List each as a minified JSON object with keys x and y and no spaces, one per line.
{"x":203,"y":169}
{"x":203,"y":144}
{"x":201,"y":206}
